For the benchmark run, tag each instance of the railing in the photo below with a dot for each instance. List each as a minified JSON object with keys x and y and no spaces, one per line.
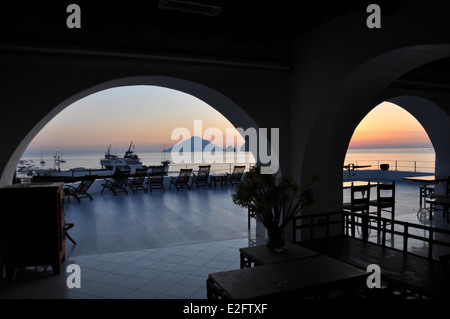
{"x":397,"y":165}
{"x":348,"y":224}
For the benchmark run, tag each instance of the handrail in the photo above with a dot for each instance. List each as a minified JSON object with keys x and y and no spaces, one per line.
{"x":397,"y":165}
{"x":349,"y":222}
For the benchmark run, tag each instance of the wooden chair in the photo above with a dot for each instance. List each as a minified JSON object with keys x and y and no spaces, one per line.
{"x":202,"y":177}
{"x":359,"y":202}
{"x":440,"y":199}
{"x":118,"y":183}
{"x":250,"y":214}
{"x":156,"y":178}
{"x":385,"y":201}
{"x":68,"y":226}
{"x":81,"y":191}
{"x":182,"y":180}
{"x":425,"y":192}
{"x":136,"y":183}
{"x":236,"y":176}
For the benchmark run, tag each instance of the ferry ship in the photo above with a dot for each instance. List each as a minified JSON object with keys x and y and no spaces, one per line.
{"x":109,"y":164}
{"x":130,"y":161}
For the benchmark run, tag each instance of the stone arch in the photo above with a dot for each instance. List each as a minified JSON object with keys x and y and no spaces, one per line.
{"x":227,"y":107}
{"x":436,"y":123}
{"x":346,"y":104}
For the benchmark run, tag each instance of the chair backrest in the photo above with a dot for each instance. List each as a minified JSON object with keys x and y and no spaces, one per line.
{"x":121,"y":178}
{"x":156,"y":174}
{"x":140,"y":175}
{"x":360,"y":194}
{"x":184,"y":175}
{"x":86,"y":183}
{"x":237,"y":172}
{"x":203,"y":172}
{"x":386,"y":192}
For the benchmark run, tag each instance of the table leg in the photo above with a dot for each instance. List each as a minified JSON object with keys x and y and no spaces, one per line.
{"x":423,"y":209}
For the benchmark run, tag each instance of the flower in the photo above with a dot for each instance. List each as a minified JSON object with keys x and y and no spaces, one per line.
{"x":275,"y":199}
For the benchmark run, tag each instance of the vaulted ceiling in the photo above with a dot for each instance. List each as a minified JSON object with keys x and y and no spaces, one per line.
{"x":253,"y":30}
{"x":249,"y":29}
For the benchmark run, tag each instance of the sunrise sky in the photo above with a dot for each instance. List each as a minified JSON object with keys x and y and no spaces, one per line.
{"x":147,"y":115}
{"x":389,"y":125}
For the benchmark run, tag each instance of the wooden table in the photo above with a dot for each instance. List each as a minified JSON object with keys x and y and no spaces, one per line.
{"x":359,"y":183}
{"x":258,"y":255}
{"x":427,"y":179}
{"x":311,"y":276}
{"x":222,"y":178}
{"x":424,"y":181}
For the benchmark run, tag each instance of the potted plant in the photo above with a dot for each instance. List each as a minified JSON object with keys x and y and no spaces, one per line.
{"x":275,"y":200}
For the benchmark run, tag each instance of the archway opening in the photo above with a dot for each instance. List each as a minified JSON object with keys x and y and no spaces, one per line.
{"x":146,"y":115}
{"x":389,"y":137}
{"x":85,"y":125}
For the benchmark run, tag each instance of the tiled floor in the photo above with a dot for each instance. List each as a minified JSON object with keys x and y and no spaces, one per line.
{"x":159,"y":245}
{"x":165,"y":273}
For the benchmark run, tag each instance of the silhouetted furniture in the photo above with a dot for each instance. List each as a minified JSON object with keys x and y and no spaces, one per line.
{"x":250,"y":214}
{"x":68,"y":226}
{"x":425,"y":181}
{"x":405,"y":271}
{"x":32,"y":226}
{"x":81,"y":191}
{"x":182,"y":180}
{"x":136,"y":183}
{"x":156,"y":178}
{"x":236,"y":176}
{"x":309,"y":276}
{"x":385,"y":201}
{"x":202,"y":177}
{"x":425,"y":191}
{"x":440,"y":199}
{"x":118,"y":182}
{"x":444,"y":202}
{"x":258,"y":255}
{"x":359,"y":183}
{"x":222,"y":178}
{"x":359,"y":202}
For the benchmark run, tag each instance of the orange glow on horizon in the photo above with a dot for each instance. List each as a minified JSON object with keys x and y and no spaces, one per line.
{"x":389,"y":125}
{"x":146,"y":115}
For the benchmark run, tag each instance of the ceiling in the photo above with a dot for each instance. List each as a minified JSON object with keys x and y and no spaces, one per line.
{"x":244,"y":29}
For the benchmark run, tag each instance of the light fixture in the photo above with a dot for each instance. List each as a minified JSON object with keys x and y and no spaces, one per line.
{"x":204,"y":7}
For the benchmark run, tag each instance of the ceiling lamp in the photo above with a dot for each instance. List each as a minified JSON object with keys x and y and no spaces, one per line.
{"x":204,"y":7}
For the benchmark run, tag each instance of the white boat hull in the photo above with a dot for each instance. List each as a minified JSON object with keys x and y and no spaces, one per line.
{"x":83,"y":172}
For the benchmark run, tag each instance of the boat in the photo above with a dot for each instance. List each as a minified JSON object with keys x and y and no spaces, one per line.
{"x":165,"y":162}
{"x":130,"y":161}
{"x":42,"y":161}
{"x":26,"y":167}
{"x":109,"y":164}
{"x":58,"y":158}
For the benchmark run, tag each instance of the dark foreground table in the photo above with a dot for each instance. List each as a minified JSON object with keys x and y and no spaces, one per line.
{"x":311,"y":276}
{"x":258,"y":255}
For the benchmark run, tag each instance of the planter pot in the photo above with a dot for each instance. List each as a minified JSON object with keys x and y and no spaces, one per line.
{"x":275,"y":241}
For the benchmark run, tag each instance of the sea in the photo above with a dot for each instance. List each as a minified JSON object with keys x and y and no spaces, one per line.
{"x":401,"y":159}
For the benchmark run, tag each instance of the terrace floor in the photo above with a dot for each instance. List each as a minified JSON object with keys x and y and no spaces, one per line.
{"x":160,"y":245}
